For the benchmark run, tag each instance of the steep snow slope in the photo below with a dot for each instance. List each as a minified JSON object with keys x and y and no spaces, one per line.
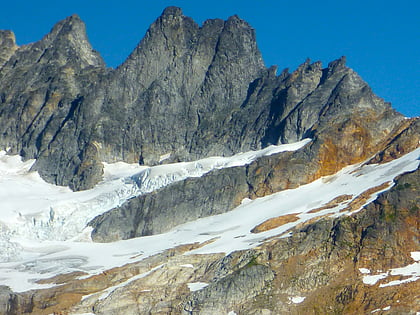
{"x":40,"y":258}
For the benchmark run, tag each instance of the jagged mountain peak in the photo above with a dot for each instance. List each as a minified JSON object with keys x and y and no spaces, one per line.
{"x":172,"y":10}
{"x":69,"y":38}
{"x":66,"y":44}
{"x":185,"y":92}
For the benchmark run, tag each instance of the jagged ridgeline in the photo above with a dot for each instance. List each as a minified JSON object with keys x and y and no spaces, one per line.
{"x":185,"y":92}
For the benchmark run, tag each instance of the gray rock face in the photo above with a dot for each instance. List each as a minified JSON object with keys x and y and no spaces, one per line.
{"x":12,"y":303}
{"x":173,"y":205}
{"x":219,"y":297}
{"x":174,"y":91}
{"x":41,"y":88}
{"x":188,"y":90}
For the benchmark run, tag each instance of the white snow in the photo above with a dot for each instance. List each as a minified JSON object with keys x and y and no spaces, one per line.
{"x":372,"y":279}
{"x":409,"y":270}
{"x":297,"y":299}
{"x":231,"y":313}
{"x":164,"y":157}
{"x":398,"y":282}
{"x":195,"y":286}
{"x":415,"y":256}
{"x":384,"y":309}
{"x":187,"y":266}
{"x":412,"y":272}
{"x":41,"y":258}
{"x":364,"y":270}
{"x":34,"y":209}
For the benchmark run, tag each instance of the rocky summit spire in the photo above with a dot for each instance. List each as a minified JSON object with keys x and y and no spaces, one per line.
{"x":70,"y":44}
{"x":174,"y":11}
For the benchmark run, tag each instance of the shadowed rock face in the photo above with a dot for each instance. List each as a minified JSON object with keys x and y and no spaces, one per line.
{"x":188,"y":90}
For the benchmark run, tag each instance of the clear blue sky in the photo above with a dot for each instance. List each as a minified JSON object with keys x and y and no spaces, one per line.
{"x":381,"y":39}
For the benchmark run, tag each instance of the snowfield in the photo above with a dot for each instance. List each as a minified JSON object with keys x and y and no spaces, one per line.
{"x":33,"y":209}
{"x":43,"y":227}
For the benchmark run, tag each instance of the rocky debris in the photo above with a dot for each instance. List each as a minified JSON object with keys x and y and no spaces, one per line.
{"x":186,"y":91}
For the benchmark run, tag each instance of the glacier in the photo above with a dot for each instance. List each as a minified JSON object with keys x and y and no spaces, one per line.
{"x":58,"y":240}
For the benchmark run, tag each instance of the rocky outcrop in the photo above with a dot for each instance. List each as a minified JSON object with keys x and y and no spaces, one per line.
{"x":186,"y":91}
{"x":7,"y":46}
{"x":173,"y":205}
{"x":222,"y":296}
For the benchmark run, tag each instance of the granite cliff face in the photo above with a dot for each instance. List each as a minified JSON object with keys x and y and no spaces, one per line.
{"x":187,"y":92}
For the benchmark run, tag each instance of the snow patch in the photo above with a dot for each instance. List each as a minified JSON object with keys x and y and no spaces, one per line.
{"x":245,"y":201}
{"x":195,"y":286}
{"x":297,"y":299}
{"x":164,"y":157}
{"x":187,"y":266}
{"x":398,"y":282}
{"x":364,"y":270}
{"x":371,"y":280}
{"x":415,"y":256}
{"x":411,"y":271}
